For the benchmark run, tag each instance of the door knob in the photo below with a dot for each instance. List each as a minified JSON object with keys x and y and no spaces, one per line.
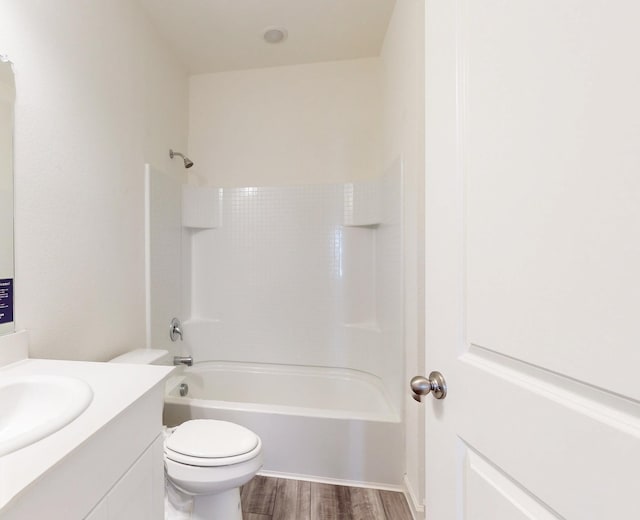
{"x":436,"y":384}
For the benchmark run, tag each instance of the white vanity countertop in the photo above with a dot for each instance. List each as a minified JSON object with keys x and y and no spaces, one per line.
{"x":115,"y":388}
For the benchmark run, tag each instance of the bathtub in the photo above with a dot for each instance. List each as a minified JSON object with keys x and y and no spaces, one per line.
{"x":314,"y":422}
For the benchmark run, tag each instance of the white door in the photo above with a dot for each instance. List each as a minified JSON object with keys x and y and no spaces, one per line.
{"x":533,"y":259}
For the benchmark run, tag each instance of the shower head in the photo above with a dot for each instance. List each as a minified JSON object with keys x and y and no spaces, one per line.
{"x":188,"y":163}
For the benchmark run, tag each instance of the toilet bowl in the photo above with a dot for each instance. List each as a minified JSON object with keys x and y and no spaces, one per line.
{"x":210,"y":460}
{"x":207,"y":459}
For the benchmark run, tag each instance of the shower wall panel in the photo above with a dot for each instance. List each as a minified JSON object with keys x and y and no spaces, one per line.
{"x":163,"y":256}
{"x":284,"y":280}
{"x":390,"y":282}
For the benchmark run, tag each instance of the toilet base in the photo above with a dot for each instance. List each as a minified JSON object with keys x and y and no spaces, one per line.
{"x":221,"y":506}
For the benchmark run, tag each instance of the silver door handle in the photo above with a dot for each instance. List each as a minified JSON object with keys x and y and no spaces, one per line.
{"x":436,"y":384}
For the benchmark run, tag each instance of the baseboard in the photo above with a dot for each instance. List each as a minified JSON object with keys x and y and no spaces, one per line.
{"x":417,"y":507}
{"x":333,"y":481}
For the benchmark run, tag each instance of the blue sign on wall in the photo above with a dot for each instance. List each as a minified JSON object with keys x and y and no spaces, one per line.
{"x":6,"y":300}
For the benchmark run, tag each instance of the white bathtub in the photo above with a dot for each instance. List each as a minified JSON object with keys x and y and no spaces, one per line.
{"x":314,"y":422}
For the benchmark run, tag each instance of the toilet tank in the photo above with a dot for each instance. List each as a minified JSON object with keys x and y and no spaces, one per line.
{"x":144,"y":356}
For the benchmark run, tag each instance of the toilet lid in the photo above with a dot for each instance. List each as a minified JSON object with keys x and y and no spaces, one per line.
{"x":206,"y":438}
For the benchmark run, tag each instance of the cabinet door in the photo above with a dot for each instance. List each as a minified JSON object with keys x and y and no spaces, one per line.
{"x":135,"y":496}
{"x":100,"y":512}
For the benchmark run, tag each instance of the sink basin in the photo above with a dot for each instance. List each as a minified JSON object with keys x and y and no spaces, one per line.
{"x":34,"y":407}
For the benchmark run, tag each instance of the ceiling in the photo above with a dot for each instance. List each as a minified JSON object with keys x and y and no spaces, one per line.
{"x":221,"y":35}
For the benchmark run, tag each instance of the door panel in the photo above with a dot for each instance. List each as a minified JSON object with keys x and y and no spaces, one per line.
{"x":557,"y":441}
{"x":532,"y":208}
{"x":552,"y":128}
{"x":491,"y":494}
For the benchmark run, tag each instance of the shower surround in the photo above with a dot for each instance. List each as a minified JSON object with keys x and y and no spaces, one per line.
{"x":299,"y":287}
{"x":301,"y":275}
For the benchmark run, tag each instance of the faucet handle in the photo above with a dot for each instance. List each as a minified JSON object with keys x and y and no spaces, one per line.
{"x":175,"y":329}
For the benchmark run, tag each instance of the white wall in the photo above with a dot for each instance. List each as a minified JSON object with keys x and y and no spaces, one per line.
{"x":287,"y":125}
{"x":98,"y":95}
{"x":403,"y":71}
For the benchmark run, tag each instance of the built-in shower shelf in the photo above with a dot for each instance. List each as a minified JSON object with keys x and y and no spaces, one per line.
{"x":372,"y":226}
{"x":201,"y":207}
{"x":369,"y":326}
{"x":362,"y":204}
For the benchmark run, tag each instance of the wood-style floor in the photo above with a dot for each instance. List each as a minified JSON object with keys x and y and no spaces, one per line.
{"x":268,"y":498}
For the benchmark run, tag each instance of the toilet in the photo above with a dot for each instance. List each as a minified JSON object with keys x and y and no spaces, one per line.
{"x":210,"y":460}
{"x":205,"y":458}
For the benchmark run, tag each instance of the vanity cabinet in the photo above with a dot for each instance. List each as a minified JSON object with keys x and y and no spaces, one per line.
{"x":106,"y":464}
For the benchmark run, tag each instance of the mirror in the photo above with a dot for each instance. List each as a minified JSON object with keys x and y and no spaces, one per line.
{"x":7,"y":97}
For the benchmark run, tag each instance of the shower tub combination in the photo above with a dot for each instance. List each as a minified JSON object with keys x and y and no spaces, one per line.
{"x":315,"y":422}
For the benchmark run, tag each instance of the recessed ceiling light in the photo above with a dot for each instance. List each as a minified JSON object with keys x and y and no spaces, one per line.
{"x":275,"y":34}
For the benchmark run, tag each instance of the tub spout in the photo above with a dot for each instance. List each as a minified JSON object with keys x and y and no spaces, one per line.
{"x":183,"y":360}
